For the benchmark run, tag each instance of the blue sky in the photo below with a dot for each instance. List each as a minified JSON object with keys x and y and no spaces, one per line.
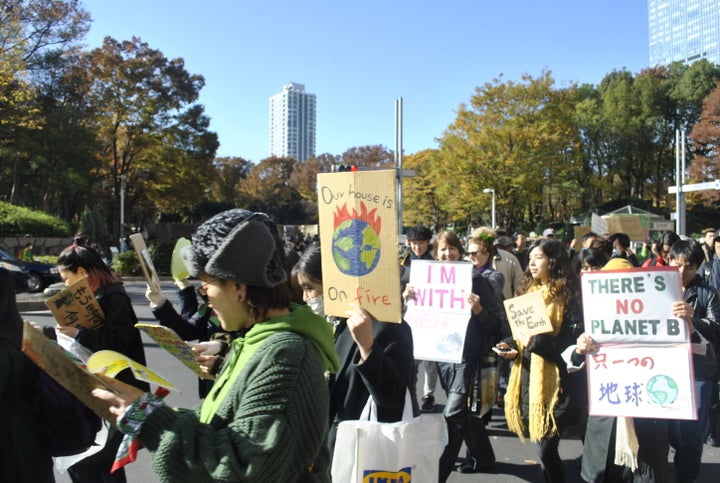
{"x":359,"y":57}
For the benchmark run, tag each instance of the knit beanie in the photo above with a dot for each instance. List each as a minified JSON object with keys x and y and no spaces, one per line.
{"x":238,"y":245}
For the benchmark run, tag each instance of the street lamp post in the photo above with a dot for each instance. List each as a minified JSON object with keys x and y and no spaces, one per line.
{"x":492,"y":208}
{"x":122,"y":213}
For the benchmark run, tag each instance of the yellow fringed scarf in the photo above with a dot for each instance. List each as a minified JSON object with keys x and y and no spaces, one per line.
{"x":544,"y":382}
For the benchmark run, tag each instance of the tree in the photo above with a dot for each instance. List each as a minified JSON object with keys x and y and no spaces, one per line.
{"x":139,"y":94}
{"x":515,"y":138}
{"x":376,"y":156}
{"x":705,"y":141}
{"x":30,"y":30}
{"x":268,"y":190}
{"x":228,"y":172}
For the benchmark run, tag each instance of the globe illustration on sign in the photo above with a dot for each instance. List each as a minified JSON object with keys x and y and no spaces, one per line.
{"x":356,"y":241}
{"x":662,"y":390}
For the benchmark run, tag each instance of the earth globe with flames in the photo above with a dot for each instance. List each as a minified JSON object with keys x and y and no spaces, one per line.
{"x":356,"y":240}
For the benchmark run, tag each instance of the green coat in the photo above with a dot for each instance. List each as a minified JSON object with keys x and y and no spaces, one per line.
{"x":272,"y":424}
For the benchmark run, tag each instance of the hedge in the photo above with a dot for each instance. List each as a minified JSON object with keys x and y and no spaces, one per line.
{"x":21,"y":221}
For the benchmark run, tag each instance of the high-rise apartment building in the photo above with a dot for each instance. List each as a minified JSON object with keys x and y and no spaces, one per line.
{"x":683,"y":31}
{"x":292,"y":123}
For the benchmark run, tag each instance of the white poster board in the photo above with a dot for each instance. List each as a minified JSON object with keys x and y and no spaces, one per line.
{"x":439,"y":314}
{"x":643,"y":368}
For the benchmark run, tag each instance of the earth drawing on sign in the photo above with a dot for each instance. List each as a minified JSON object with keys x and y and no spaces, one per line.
{"x":356,"y":240}
{"x":663,"y":390}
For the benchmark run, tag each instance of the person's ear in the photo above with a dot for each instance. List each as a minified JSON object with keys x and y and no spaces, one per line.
{"x":241,"y":291}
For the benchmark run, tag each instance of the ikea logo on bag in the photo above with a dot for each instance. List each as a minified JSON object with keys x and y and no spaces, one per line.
{"x":381,"y":476}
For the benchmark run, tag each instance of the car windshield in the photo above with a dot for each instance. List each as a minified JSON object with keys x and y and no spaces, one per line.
{"x":6,"y":256}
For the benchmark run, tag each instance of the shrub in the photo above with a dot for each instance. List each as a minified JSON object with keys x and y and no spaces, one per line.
{"x":126,"y":264}
{"x":18,"y":220}
{"x":161,"y":255}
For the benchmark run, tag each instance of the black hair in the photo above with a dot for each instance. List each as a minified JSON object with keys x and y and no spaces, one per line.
{"x":75,"y":257}
{"x":588,"y":235}
{"x":420,"y":232}
{"x":622,"y":239}
{"x":310,"y":263}
{"x":593,"y":257}
{"x":667,"y":238}
{"x":690,"y":250}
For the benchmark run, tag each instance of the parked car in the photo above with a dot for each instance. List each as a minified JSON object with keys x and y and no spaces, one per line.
{"x":20,"y":276}
{"x":39,"y":275}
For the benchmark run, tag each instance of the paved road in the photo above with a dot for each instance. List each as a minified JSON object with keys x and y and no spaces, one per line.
{"x":516,"y":461}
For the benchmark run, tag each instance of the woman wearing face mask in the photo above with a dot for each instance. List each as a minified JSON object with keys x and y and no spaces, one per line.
{"x":376,"y":358}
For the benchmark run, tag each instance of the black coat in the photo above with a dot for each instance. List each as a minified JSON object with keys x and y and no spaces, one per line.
{"x":386,"y":374}
{"x":117,"y":332}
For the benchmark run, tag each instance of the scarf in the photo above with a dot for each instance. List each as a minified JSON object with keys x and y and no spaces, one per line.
{"x":544,"y":382}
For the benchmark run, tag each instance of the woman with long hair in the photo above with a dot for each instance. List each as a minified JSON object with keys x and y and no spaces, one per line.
{"x":540,"y":401}
{"x":117,"y":333}
{"x":23,"y":457}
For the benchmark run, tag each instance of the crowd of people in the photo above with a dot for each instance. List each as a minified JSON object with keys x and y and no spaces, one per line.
{"x":285,"y":373}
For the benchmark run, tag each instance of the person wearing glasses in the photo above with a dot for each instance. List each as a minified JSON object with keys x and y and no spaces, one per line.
{"x":266,"y":416}
{"x":194,"y":323}
{"x":461,"y":381}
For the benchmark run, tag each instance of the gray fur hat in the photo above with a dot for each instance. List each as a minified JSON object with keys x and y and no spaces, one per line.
{"x":238,"y":245}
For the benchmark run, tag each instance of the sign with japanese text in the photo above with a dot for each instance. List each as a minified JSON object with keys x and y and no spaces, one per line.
{"x":642,"y":381}
{"x":439,"y":313}
{"x":643,"y":367}
{"x":633,"y":305}
{"x":358,"y":243}
{"x":527,"y":315}
{"x":76,"y":306}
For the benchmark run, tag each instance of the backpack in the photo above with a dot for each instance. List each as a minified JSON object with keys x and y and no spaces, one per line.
{"x":67,"y":425}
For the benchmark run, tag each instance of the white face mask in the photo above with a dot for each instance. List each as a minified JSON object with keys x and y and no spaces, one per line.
{"x":317,"y":305}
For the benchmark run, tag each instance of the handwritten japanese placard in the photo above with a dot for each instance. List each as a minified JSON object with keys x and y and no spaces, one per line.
{"x":439,"y":313}
{"x":171,"y":342}
{"x":641,"y":381}
{"x":76,"y":306}
{"x":643,"y":367}
{"x":358,"y":233}
{"x":633,"y":305}
{"x":146,"y":264}
{"x":527,"y":315}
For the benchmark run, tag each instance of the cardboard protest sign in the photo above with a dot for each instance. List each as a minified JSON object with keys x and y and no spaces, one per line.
{"x":642,"y":381}
{"x":358,"y":233}
{"x":633,"y":305}
{"x":111,"y":363}
{"x":171,"y":342}
{"x":76,"y":306}
{"x":439,"y":313}
{"x":65,"y":370}
{"x":643,"y":367}
{"x":146,"y":264}
{"x":527,"y":315}
{"x":628,"y":224}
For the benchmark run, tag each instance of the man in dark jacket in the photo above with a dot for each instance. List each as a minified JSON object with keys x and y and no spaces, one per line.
{"x":688,"y":436}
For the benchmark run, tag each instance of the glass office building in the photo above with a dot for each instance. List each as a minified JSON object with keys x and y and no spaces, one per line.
{"x":292,"y":123}
{"x":683,"y":31}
